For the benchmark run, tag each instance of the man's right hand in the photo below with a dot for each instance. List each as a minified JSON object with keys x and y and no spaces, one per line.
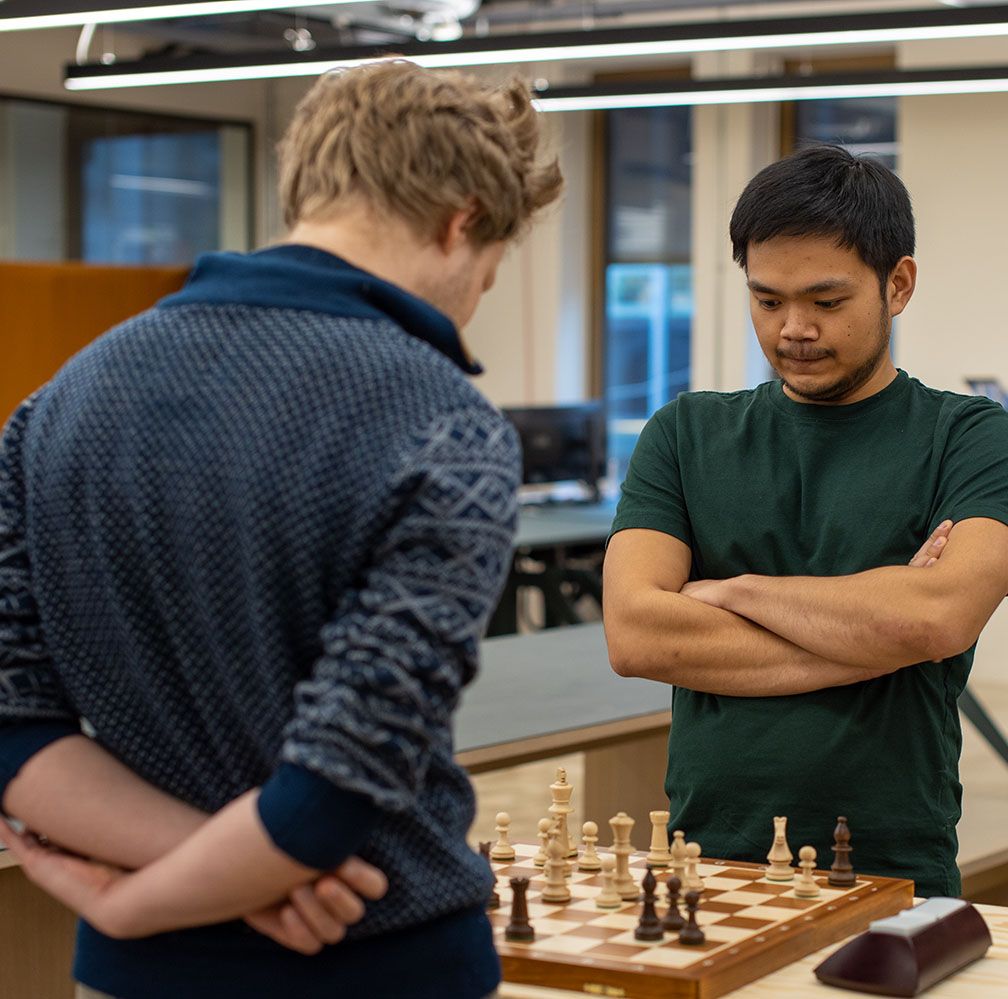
{"x":931,"y":550}
{"x":318,"y":914}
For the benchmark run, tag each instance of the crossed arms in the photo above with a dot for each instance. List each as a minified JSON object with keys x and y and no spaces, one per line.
{"x":759,"y":636}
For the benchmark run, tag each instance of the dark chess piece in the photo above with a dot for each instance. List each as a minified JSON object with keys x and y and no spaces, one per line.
{"x":519,"y":928}
{"x":673,"y":921}
{"x":842,"y":872}
{"x":691,"y":933}
{"x":649,"y":927}
{"x":493,"y":902}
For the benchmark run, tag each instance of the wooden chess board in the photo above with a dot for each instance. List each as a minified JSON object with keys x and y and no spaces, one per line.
{"x":753,"y":926}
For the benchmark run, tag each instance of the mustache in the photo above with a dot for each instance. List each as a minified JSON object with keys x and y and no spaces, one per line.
{"x":803,"y":354}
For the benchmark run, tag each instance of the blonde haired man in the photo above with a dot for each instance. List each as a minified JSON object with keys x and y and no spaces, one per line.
{"x":253,"y":537}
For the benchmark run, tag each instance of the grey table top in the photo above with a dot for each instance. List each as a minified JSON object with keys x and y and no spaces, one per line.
{"x":560,"y":524}
{"x":548,"y":682}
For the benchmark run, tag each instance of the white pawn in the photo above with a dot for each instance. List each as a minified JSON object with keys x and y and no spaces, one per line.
{"x":545,"y":825}
{"x":608,"y":898}
{"x":678,"y":854}
{"x":806,"y":886}
{"x":590,"y":860}
{"x":555,"y":887}
{"x":502,"y":849}
{"x":660,"y":856}
{"x":693,"y":881}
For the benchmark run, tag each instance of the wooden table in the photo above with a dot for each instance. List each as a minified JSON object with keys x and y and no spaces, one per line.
{"x":554,"y":692}
{"x":37,"y":934}
{"x":986,"y":979}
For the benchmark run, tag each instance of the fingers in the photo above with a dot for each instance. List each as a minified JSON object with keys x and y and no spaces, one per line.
{"x":21,"y":845}
{"x":362,"y":878}
{"x":290,"y":932}
{"x":931,"y":550}
{"x":325,"y":909}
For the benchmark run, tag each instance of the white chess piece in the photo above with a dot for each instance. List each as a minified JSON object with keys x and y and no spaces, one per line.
{"x":780,"y":855}
{"x":555,"y":887}
{"x":678,"y":854}
{"x":806,"y":886}
{"x":502,"y":849}
{"x":590,"y":860}
{"x":561,"y":792}
{"x":621,"y":824}
{"x":608,"y":898}
{"x":545,"y":825}
{"x":693,"y":881}
{"x":660,"y":855}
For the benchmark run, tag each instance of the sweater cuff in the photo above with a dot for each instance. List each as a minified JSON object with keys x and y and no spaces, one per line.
{"x":316,"y":823}
{"x":21,"y":741}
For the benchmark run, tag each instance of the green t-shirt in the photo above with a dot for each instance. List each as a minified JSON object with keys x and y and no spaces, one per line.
{"x":754,"y":482}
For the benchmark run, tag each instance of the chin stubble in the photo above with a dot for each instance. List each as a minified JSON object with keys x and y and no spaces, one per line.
{"x":853,"y":381}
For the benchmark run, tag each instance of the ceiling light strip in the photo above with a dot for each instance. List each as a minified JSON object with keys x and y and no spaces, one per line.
{"x":602,"y":43}
{"x":757,"y":95}
{"x":119,"y":15}
{"x":108,"y":78}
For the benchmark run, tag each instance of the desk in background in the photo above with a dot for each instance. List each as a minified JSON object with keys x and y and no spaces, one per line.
{"x":553,"y":534}
{"x":554,"y":692}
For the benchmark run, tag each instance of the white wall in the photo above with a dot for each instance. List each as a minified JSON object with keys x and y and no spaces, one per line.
{"x":954,"y":161}
{"x":730,"y":144}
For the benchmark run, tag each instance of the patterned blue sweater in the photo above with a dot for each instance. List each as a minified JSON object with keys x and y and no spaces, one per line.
{"x":252,"y":536}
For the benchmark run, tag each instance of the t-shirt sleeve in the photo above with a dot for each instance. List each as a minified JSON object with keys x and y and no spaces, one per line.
{"x":974,"y":472}
{"x":652,"y":495}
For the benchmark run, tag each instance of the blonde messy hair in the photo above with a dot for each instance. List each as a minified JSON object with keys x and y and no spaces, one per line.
{"x":420,"y":144}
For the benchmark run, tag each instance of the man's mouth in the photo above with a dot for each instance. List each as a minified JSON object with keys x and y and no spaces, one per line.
{"x":802,"y":358}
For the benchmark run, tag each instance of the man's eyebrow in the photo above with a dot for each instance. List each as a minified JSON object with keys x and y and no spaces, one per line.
{"x":834,"y":284}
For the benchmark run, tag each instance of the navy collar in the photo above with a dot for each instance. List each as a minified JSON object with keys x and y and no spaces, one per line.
{"x":292,"y":276}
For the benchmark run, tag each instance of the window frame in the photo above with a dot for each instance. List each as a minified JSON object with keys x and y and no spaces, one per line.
{"x":72,"y":239}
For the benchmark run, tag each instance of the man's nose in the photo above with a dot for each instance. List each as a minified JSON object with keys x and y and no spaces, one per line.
{"x":798,"y":325}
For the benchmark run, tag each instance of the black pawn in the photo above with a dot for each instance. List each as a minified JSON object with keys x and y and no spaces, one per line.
{"x":649,"y":927}
{"x":673,"y":921}
{"x":691,"y":933}
{"x":493,"y":902}
{"x":519,"y":928}
{"x":842,"y":872}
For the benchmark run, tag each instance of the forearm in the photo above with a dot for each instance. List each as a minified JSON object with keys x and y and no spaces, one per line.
{"x":225,"y":869}
{"x":886,"y":618}
{"x":672,"y":638}
{"x":81,"y":798}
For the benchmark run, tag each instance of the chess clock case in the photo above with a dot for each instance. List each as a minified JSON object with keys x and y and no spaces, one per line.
{"x":890,"y":965}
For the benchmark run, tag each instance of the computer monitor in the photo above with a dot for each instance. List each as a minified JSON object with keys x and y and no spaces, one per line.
{"x":562,"y":443}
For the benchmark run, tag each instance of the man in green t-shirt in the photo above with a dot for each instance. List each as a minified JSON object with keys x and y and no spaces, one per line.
{"x":759,"y":557}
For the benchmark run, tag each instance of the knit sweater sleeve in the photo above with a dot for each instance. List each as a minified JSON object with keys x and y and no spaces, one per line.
{"x":33,"y":709}
{"x":404,"y":642}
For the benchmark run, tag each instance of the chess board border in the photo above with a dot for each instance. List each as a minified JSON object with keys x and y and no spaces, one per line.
{"x":728,"y":969}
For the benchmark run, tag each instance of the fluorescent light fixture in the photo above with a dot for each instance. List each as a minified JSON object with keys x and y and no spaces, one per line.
{"x":161,"y":185}
{"x":11,"y":20}
{"x":605,"y":43}
{"x":894,"y":83}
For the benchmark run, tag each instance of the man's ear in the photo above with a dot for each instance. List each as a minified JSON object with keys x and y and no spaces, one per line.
{"x":454,"y":231}
{"x":902,"y":281}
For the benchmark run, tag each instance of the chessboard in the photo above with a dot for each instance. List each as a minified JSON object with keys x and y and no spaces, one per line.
{"x":752,"y":926}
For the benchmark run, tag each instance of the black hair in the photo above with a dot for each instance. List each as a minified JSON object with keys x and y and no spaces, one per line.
{"x":824,"y":190}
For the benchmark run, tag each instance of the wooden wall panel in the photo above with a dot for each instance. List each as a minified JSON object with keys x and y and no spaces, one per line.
{"x":48,"y":312}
